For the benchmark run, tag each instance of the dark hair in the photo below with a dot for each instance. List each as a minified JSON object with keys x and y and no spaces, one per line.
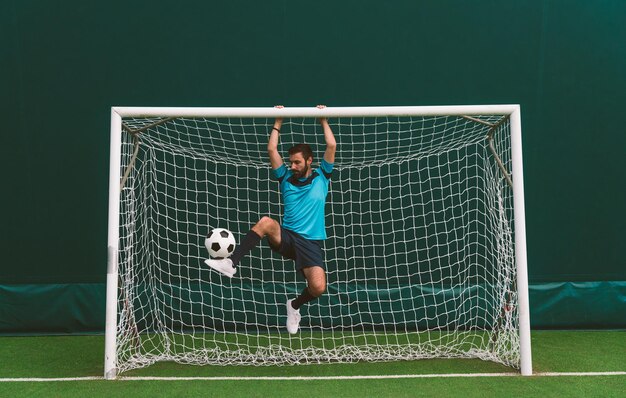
{"x":304,"y":149}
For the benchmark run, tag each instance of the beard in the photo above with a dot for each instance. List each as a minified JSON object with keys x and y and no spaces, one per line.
{"x":303,"y":173}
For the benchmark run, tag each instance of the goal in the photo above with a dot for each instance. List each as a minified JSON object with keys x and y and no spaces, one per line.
{"x":425,"y":256}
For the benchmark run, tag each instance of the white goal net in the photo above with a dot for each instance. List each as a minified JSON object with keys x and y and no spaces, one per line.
{"x":420,"y":255}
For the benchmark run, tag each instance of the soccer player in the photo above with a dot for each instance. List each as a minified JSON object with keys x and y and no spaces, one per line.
{"x":304,"y":191}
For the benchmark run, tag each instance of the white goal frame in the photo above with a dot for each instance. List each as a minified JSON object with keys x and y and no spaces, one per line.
{"x":117,"y":113}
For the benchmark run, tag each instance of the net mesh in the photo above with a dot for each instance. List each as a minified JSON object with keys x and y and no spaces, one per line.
{"x":419,"y":255}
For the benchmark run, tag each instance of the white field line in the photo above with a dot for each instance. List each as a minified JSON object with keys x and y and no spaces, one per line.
{"x":308,"y":378}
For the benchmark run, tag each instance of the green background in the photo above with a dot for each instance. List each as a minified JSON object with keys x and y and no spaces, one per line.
{"x":64,"y":64}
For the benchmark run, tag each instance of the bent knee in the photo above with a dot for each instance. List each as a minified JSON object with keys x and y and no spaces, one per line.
{"x":317,"y":290}
{"x":267,"y":221}
{"x":265,"y":225}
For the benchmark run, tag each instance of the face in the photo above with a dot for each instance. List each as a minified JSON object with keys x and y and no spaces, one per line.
{"x":299,"y":166}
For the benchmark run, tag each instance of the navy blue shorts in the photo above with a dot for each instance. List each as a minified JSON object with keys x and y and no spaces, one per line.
{"x":306,"y":253}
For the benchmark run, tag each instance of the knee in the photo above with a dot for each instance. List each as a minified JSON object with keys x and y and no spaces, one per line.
{"x":317,"y":289}
{"x":264,"y":226}
{"x":266,"y":220}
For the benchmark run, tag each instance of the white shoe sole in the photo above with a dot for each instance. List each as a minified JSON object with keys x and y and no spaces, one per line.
{"x":223,"y":272}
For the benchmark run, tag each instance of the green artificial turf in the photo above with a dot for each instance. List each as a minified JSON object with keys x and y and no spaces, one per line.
{"x":553,"y":351}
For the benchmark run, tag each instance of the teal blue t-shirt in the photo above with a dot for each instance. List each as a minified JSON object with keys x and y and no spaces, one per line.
{"x":304,"y":200}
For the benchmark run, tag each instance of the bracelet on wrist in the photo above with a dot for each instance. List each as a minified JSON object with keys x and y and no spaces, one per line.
{"x":274,"y":128}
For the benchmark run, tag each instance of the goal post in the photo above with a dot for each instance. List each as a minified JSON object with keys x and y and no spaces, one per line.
{"x":110,"y":368}
{"x":520,"y":243}
{"x":426,"y":255}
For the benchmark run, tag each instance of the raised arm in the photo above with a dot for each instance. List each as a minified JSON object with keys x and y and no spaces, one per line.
{"x":272,"y":146}
{"x":329,"y":137}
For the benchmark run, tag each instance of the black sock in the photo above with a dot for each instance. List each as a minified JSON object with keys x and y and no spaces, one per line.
{"x":303,"y":298}
{"x":248,"y":243}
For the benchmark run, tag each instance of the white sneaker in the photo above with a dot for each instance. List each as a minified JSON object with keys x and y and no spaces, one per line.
{"x":293,"y":318}
{"x":224,"y":266}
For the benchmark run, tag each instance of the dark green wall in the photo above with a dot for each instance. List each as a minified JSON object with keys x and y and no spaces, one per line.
{"x":65,"y":63}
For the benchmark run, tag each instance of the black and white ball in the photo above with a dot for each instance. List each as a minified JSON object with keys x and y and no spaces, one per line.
{"x":220,"y":243}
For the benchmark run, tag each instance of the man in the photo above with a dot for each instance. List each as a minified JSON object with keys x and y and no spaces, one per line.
{"x":300,"y":236}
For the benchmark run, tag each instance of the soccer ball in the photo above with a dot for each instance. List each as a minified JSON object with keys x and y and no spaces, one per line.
{"x":220,"y":243}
